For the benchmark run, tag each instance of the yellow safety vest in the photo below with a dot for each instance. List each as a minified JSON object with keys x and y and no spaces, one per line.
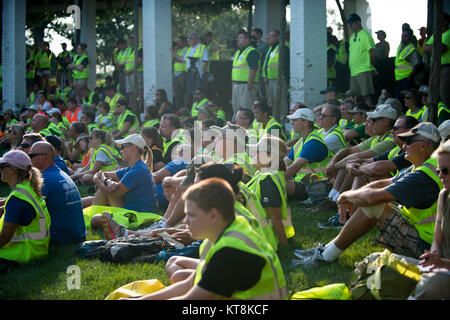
{"x":272,"y":124}
{"x":112,"y":102}
{"x":31,"y":241}
{"x":243,"y":160}
{"x":151,"y":123}
{"x":180,"y":66}
{"x":83,"y":74}
{"x":130,"y":60}
{"x":241,"y":236}
{"x":121,"y":121}
{"x":336,"y":130}
{"x":44,"y":60}
{"x":403,"y":68}
{"x":241,"y":69}
{"x":418,"y":114}
{"x":197,"y":105}
{"x":271,"y":63}
{"x":110,"y":152}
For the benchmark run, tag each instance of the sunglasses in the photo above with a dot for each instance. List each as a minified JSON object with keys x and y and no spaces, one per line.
{"x":444,"y":171}
{"x":32,"y":155}
{"x":411,"y":141}
{"x":25,"y":145}
{"x":3,"y":166}
{"x":126,"y":145}
{"x":395,"y":128}
{"x":407,"y":98}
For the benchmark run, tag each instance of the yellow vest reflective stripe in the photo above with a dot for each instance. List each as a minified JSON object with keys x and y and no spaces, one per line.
{"x":89,"y":100}
{"x":442,"y":107}
{"x":241,"y":69}
{"x":403,"y":68}
{"x":391,"y":155}
{"x":271,"y":63}
{"x":83,"y":74}
{"x":44,"y":60}
{"x":130,"y":60}
{"x":387,"y":136}
{"x":151,"y":123}
{"x":241,"y":210}
{"x":180,"y":66}
{"x":418,"y":114}
{"x":243,"y":160}
{"x":197,"y":105}
{"x":167,"y":145}
{"x":424,"y":219}
{"x":28,"y":242}
{"x":262,"y":130}
{"x":337,"y":131}
{"x":110,"y":117}
{"x":198,"y":53}
{"x":112,"y":102}
{"x":121,"y":121}
{"x":240,"y":235}
{"x":122,"y":56}
{"x":317,"y":168}
{"x":110,"y":152}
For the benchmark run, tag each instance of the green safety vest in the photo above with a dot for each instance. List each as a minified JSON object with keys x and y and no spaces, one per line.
{"x":403,"y":68}
{"x":92,"y":126}
{"x":30,"y":74}
{"x":243,"y":160}
{"x":130,"y":60}
{"x":241,"y":236}
{"x":151,"y":123}
{"x":221,"y":115}
{"x":241,"y":210}
{"x":197,"y":105}
{"x":52,"y":129}
{"x":331,"y":71}
{"x":337,"y":131}
{"x":89,"y":100}
{"x":215,"y":56}
{"x":272,"y":124}
{"x":253,"y":205}
{"x":198,"y":53}
{"x":121,"y":121}
{"x":167,"y":145}
{"x":391,"y":155}
{"x":110,"y":152}
{"x":241,"y":69}
{"x":180,"y":66}
{"x":418,"y":114}
{"x":122,"y":56}
{"x":375,"y":140}
{"x":112,"y":102}
{"x":83,"y":74}
{"x":341,"y":55}
{"x":31,"y":241}
{"x":424,"y":219}
{"x":11,"y":122}
{"x":44,"y":60}
{"x":280,"y":181}
{"x":109,"y":116}
{"x":317,"y":168}
{"x":271,"y":63}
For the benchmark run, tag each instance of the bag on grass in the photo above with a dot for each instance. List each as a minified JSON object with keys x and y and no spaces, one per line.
{"x":122,"y":250}
{"x":136,"y":289}
{"x":317,"y":188}
{"x":337,"y":291}
{"x":384,"y":276}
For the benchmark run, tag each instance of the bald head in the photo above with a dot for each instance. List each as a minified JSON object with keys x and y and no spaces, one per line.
{"x":42,"y":155}
{"x":39,"y":122}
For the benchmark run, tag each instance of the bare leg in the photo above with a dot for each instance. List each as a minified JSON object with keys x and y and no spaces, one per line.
{"x":177,"y":214}
{"x":340,"y":176}
{"x":346,"y":183}
{"x":177,"y":263}
{"x":181,"y":275}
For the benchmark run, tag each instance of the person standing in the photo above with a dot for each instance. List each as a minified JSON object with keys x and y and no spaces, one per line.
{"x":80,"y":70}
{"x":382,"y":48}
{"x":362,"y":55}
{"x":197,"y":59}
{"x":244,"y":74}
{"x":64,"y":60}
{"x":179,"y":72}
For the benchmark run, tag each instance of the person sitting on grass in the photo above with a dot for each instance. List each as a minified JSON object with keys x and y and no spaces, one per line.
{"x":399,"y":205}
{"x":25,"y":220}
{"x":256,"y":271}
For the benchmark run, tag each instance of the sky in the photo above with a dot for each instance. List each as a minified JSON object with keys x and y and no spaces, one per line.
{"x":387,"y":15}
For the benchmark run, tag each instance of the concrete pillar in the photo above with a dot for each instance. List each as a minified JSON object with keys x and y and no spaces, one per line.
{"x":13,"y":53}
{"x":308,"y":51}
{"x":157,"y":41}
{"x":89,"y":36}
{"x":267,"y":15}
{"x":362,"y":8}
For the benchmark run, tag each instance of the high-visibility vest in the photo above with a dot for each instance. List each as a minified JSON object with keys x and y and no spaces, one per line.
{"x":337,"y":131}
{"x":403,"y":68}
{"x":121,"y":121}
{"x":122,"y":56}
{"x":442,"y":107}
{"x":331,"y":71}
{"x":130,"y":60}
{"x":241,"y":236}
{"x":280,"y":182}
{"x":241,"y":69}
{"x":375,"y":140}
{"x":197,"y":105}
{"x":243,"y":160}
{"x":424,"y":219}
{"x":271,"y":63}
{"x":198,"y":53}
{"x":220,"y":114}
{"x":180,"y":66}
{"x":151,"y":123}
{"x":83,"y":74}
{"x":341,"y":55}
{"x":30,"y":74}
{"x":110,"y":152}
{"x":253,"y":204}
{"x":89,"y":100}
{"x":73,"y":116}
{"x":241,"y":210}
{"x":110,"y":117}
{"x":112,"y":102}
{"x":54,"y":129}
{"x":44,"y":60}
{"x":92,"y":126}
{"x":272,"y":124}
{"x":63,"y":55}
{"x":167,"y":145}
{"x":391,"y":155}
{"x":317,"y":168}
{"x":418,"y":114}
{"x":31,"y":241}
{"x":212,"y":56}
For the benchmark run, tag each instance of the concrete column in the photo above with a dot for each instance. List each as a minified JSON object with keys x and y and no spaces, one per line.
{"x":362,"y":8}
{"x":267,"y":15}
{"x":13,"y":53}
{"x":157,"y":40}
{"x":308,"y":51}
{"x":89,"y":36}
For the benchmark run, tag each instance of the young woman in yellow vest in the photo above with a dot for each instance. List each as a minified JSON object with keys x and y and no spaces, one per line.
{"x":152,"y":118}
{"x":80,"y":69}
{"x":127,"y":121}
{"x":412,"y":102}
{"x":269,"y":186}
{"x":105,"y":119}
{"x":55,"y":119}
{"x":44,"y":59}
{"x":25,"y":224}
{"x":88,"y":118}
{"x":103,"y":157}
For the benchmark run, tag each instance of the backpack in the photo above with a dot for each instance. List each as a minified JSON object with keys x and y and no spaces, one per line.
{"x":385,"y":276}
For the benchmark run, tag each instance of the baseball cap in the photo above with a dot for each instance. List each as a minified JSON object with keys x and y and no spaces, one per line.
{"x":54,"y":141}
{"x":395,"y":103}
{"x":135,"y":139}
{"x":16,"y":158}
{"x":350,"y":93}
{"x":81,"y":137}
{"x":424,"y":129}
{"x":381,"y":32}
{"x":383,"y":111}
{"x":444,"y":129}
{"x":353,"y":17}
{"x":423,"y":90}
{"x":303,"y":113}
{"x":191,"y":168}
{"x":360,"y":107}
{"x":329,"y":89}
{"x":53,"y":110}
{"x":33,"y":107}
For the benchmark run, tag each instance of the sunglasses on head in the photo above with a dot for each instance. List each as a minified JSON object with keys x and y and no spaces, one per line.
{"x":444,"y":171}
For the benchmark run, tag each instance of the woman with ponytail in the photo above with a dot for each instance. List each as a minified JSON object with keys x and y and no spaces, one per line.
{"x":25,"y":222}
{"x":103,"y":157}
{"x":155,"y":144}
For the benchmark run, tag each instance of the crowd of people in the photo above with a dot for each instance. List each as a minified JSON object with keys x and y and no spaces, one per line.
{"x":224,"y":188}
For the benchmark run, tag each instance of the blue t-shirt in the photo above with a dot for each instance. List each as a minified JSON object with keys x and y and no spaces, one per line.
{"x":313,"y":151}
{"x":64,"y":205}
{"x":60,"y":163}
{"x":19,"y":212}
{"x":142,"y":194}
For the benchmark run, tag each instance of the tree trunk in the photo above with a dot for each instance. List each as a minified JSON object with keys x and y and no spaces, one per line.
{"x":435,"y":70}
{"x":250,"y":17}
{"x":344,"y":20}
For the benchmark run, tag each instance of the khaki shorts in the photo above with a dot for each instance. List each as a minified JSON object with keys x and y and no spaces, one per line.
{"x":79,"y":82}
{"x":363,"y":83}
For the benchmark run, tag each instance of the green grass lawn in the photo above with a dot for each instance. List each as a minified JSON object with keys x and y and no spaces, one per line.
{"x":47,"y":280}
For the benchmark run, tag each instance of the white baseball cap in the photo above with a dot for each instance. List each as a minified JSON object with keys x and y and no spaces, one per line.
{"x":303,"y":113}
{"x":135,"y":139}
{"x":444,"y":129}
{"x":383,"y":111}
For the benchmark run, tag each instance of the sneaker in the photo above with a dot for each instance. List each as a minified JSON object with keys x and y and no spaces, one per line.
{"x":309,"y":257}
{"x":160,"y":224}
{"x":332,"y":223}
{"x":111,"y":229}
{"x":308,"y":252}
